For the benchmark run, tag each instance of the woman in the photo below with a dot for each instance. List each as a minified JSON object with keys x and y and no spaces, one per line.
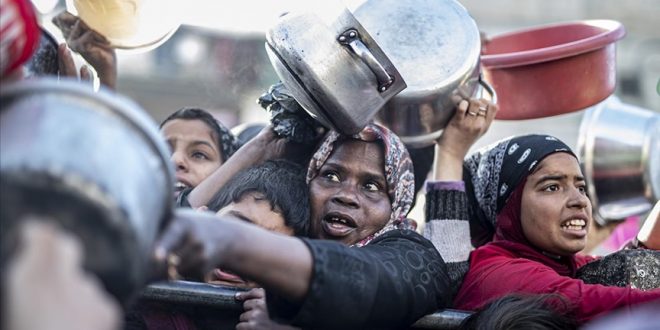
{"x":361,"y":191}
{"x":532,"y":189}
{"x":199,"y":144}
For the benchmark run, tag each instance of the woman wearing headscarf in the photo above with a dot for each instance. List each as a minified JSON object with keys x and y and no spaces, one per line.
{"x":531,"y":190}
{"x":361,"y":191}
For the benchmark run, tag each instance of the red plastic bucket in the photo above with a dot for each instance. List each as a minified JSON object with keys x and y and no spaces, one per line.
{"x":552,"y":69}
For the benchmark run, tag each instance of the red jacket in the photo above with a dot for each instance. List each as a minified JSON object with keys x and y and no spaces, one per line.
{"x":510,"y":264}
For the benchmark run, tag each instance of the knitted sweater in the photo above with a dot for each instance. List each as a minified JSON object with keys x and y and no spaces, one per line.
{"x":448,"y":228}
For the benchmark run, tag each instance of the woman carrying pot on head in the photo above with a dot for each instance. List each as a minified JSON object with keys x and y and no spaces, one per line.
{"x":361,"y":189}
{"x":531,"y":188}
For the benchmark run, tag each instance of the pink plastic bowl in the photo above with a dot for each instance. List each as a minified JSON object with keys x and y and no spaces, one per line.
{"x":552,"y":69}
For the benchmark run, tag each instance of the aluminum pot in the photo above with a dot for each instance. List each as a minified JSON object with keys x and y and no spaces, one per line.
{"x":619,"y":145}
{"x":93,"y":162}
{"x":436,"y":45}
{"x":332,"y":66}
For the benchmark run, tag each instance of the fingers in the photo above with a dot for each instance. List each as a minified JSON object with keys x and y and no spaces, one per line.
{"x":462,"y":109}
{"x":82,"y":43}
{"x":250,"y":304}
{"x":66,"y":65}
{"x":255,"y":293}
{"x":492,"y":111}
{"x":85,"y":73}
{"x":76,"y":31}
{"x":173,"y":237}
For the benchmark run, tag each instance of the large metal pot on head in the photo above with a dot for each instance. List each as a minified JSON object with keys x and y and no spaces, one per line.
{"x":435,"y":44}
{"x":332,"y":66}
{"x":619,"y":145}
{"x":93,"y":162}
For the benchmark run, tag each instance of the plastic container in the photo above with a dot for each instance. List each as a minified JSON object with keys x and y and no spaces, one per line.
{"x":552,"y":69}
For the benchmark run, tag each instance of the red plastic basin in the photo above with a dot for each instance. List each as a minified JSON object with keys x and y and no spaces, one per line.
{"x":552,"y":69}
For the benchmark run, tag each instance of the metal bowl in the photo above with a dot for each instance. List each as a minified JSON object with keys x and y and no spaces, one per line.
{"x":93,"y":162}
{"x":619,"y":145}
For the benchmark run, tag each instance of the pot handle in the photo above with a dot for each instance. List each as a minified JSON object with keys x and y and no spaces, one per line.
{"x":488,"y":88}
{"x":351,"y":38}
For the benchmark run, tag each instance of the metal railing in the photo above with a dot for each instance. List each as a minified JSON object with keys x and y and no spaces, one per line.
{"x":219,"y":302}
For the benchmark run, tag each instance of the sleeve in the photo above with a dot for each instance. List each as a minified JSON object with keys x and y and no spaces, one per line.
{"x":389,"y":283}
{"x":585,"y":301}
{"x":182,"y":199}
{"x":447,"y":226}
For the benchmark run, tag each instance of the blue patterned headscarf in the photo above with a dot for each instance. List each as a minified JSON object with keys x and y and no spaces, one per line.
{"x":492,"y":173}
{"x":398,"y":173}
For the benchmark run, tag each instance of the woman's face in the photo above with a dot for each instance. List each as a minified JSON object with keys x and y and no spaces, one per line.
{"x":555,"y":211}
{"x":349,"y":197}
{"x":195,"y":151}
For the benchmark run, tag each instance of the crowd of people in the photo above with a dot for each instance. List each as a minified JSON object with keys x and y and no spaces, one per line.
{"x":321,"y":238}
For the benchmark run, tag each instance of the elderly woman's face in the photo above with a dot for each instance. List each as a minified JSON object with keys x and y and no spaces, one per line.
{"x":556,"y":211}
{"x":349,"y":197}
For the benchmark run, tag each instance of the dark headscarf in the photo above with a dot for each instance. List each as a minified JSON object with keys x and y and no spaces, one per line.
{"x":398,"y":173}
{"x":492,"y":173}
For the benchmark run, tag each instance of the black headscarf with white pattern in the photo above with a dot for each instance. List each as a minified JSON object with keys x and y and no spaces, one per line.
{"x":493,"y":172}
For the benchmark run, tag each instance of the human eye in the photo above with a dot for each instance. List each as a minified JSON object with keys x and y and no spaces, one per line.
{"x":583,"y":189}
{"x":551,"y":187}
{"x":199,"y":155}
{"x":331,"y":176}
{"x":372,"y":187}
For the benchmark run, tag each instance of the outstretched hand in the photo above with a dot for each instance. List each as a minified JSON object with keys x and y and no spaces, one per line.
{"x":191,"y":245}
{"x":91,"y":45}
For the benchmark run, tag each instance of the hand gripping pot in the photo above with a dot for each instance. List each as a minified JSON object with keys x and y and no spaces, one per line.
{"x":332,"y":66}
{"x":93,"y":162}
{"x":619,"y":145}
{"x":435,"y":44}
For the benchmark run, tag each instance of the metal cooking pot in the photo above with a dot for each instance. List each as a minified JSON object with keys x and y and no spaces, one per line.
{"x":619,"y":145}
{"x":435,"y":44}
{"x":332,"y":66}
{"x":93,"y":162}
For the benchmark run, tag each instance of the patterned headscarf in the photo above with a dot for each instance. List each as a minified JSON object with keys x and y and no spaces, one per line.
{"x":398,"y":173}
{"x":492,"y":173}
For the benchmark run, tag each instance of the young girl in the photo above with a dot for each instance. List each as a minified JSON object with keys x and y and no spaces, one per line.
{"x":199,"y":144}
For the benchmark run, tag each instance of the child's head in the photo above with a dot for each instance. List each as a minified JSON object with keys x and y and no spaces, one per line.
{"x":272,"y":195}
{"x":199,"y":144}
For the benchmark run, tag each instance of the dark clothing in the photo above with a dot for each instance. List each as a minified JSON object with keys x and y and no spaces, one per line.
{"x":389,"y":283}
{"x":447,"y":227}
{"x":182,"y":199}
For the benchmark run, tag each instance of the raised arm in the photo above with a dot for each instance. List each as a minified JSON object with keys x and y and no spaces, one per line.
{"x":92,"y":46}
{"x":447,"y":218}
{"x":262,"y":147}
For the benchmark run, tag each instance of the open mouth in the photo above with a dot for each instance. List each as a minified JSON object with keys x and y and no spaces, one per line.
{"x":179,"y":187}
{"x":338,"y":225}
{"x":575,"y":226}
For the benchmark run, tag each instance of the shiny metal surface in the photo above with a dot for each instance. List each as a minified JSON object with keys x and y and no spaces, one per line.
{"x":435,"y":44}
{"x":105,"y":156}
{"x":342,"y":89}
{"x":619,"y":145}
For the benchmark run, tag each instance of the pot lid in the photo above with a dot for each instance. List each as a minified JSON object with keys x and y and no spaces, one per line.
{"x":433,"y":43}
